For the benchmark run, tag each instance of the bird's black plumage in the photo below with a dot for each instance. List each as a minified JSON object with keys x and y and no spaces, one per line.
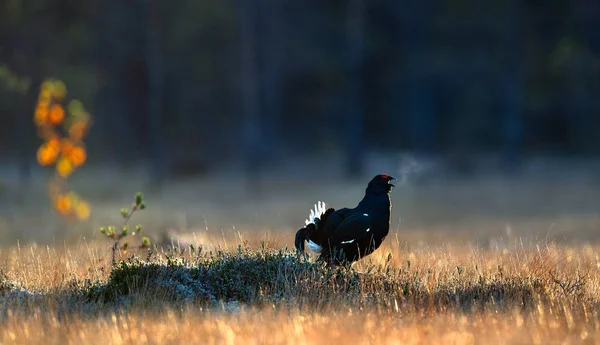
{"x":348,"y":234}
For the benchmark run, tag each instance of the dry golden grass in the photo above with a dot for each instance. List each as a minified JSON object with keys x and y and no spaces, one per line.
{"x":471,"y":264}
{"x":293,"y":327}
{"x":542,"y":294}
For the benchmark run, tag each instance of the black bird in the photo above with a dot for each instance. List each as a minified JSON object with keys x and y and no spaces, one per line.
{"x":348,"y":234}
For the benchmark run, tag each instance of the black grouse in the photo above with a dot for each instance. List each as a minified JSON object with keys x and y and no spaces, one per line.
{"x":348,"y":234}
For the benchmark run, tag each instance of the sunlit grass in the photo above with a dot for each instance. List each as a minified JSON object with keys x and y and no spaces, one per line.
{"x":195,"y":326}
{"x":452,"y":294}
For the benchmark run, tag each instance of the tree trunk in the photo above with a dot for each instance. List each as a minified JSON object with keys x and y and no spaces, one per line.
{"x":354,"y":143}
{"x":26,"y":130}
{"x":417,"y":85}
{"x":250,"y":95}
{"x":155,"y":79}
{"x":272,"y":57}
{"x":514,"y":88}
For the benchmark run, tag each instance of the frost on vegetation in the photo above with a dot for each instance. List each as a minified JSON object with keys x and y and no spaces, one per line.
{"x":223,"y":280}
{"x":11,"y":292}
{"x":230,"y":281}
{"x":226,"y":281}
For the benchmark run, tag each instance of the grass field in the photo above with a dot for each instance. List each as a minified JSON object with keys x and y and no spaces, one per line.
{"x":521,"y":267}
{"x":446,"y":295}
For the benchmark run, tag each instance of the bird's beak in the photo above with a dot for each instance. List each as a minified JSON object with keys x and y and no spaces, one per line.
{"x":390,"y":179}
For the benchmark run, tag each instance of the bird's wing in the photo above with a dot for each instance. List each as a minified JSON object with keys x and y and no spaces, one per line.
{"x":333,"y":221}
{"x":352,"y":229}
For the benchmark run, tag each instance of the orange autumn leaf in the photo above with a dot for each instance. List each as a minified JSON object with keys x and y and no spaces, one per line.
{"x":46,"y":155}
{"x":63,"y":132}
{"x":64,"y":167}
{"x":41,"y":115}
{"x":45,"y":95}
{"x":66,"y":146}
{"x":77,"y":156}
{"x":78,"y":130}
{"x":83,"y":210}
{"x":54,"y":143}
{"x":57,"y":114}
{"x":63,"y":204}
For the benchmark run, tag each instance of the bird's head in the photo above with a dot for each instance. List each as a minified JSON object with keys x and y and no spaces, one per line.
{"x":381,"y":184}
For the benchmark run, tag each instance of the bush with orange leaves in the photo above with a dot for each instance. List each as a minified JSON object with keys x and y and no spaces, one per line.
{"x":63,"y":131}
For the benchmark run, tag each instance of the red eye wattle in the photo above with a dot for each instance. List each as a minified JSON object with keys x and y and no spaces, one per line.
{"x":384,"y":176}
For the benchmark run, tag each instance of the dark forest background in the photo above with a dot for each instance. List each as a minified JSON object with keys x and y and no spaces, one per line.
{"x":188,"y":85}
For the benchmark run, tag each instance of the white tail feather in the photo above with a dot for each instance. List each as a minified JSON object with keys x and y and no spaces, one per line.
{"x":317,"y":212}
{"x":314,"y":247}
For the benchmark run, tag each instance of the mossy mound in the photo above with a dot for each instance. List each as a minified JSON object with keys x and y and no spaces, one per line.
{"x":247,"y":276}
{"x":280,"y":277}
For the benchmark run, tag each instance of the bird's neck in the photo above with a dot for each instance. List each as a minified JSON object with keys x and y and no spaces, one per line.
{"x":376,"y":202}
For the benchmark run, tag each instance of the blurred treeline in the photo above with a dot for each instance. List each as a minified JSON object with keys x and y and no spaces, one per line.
{"x":199,"y":82}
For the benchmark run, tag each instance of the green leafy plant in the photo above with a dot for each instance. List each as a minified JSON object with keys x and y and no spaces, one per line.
{"x":117,"y":235}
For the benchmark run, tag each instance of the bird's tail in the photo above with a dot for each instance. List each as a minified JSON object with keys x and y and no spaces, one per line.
{"x":316,"y":213}
{"x":301,"y":236}
{"x":322,"y":220}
